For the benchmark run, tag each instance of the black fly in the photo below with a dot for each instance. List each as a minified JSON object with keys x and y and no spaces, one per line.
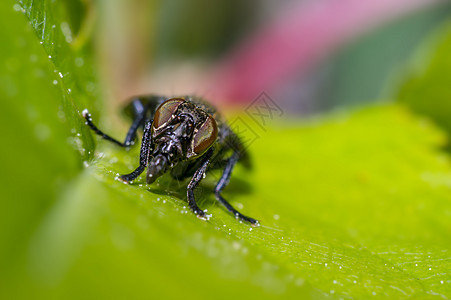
{"x":186,"y":136}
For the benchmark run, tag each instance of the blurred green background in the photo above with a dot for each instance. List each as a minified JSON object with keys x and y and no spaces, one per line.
{"x":352,"y":184}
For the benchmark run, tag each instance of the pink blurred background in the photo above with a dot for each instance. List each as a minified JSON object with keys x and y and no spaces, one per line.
{"x":309,"y":55}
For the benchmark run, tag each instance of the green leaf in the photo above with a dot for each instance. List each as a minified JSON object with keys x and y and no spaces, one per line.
{"x":43,"y":82}
{"x":426,"y":88}
{"x":356,"y":206}
{"x":352,"y":206}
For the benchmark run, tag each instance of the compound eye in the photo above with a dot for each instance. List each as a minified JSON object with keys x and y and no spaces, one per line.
{"x":204,"y":137}
{"x":166,"y":111}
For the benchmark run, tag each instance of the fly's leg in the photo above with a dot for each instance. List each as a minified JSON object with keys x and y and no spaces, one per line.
{"x":197,"y":177}
{"x":146,"y":146}
{"x":131,"y":134}
{"x":222,"y":183}
{"x":139,"y":119}
{"x":139,"y":109}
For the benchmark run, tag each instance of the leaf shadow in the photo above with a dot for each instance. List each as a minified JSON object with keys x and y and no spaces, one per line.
{"x":204,"y":192}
